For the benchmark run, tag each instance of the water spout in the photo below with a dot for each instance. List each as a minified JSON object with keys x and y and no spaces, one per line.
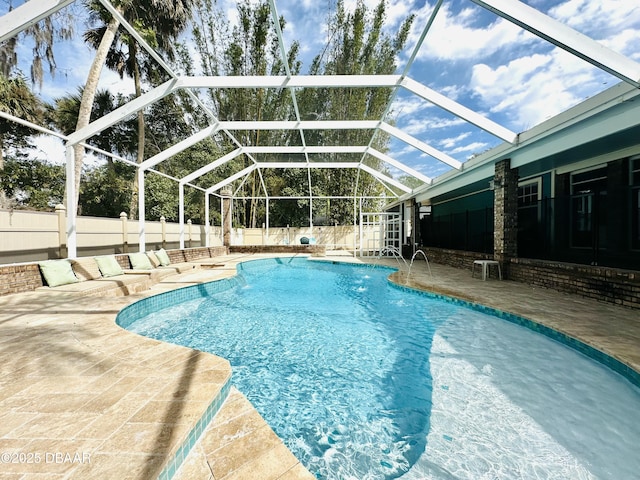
{"x":413,"y":258}
{"x":395,"y":252}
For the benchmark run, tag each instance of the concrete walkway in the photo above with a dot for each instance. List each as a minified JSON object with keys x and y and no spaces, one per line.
{"x":82,"y":398}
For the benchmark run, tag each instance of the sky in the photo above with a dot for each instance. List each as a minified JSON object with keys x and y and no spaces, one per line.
{"x":470,"y":55}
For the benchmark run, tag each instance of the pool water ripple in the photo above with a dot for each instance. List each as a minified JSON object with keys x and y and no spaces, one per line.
{"x":366,"y":381}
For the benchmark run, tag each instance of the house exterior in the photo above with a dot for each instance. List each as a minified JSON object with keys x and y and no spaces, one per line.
{"x":567,"y":196}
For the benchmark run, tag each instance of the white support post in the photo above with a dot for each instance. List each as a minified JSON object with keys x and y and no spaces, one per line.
{"x":267,"y":208}
{"x":207,"y":222}
{"x":72,"y":237}
{"x":222,"y":221}
{"x":359,"y":228}
{"x":142,"y":237}
{"x":181,"y":213}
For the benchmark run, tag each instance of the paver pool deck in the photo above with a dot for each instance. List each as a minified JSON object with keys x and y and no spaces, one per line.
{"x":82,"y":398}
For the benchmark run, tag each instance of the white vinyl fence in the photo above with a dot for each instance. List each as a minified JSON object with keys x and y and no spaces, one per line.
{"x":27,"y":236}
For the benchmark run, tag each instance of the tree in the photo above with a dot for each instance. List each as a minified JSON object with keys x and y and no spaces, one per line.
{"x":117,"y":139}
{"x":105,"y":189}
{"x":251,"y":48}
{"x":161,"y":193}
{"x":44,"y":34}
{"x":32,"y":184}
{"x":159,"y":22}
{"x":356,"y":46}
{"x":16,"y":98}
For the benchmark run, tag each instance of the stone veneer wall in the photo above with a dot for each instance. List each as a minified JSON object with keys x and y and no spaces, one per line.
{"x":454,"y":258}
{"x":612,"y":285}
{"x":25,"y":277}
{"x":19,"y":278}
{"x":315,"y":250}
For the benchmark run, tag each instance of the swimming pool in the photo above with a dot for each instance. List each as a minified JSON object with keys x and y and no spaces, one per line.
{"x":365,"y":380}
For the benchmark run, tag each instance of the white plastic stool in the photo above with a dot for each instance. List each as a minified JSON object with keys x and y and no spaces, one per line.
{"x":484,"y":265}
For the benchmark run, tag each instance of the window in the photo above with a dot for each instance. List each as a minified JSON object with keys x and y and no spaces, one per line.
{"x":588,"y":207}
{"x":528,"y":193}
{"x":635,"y":171}
{"x":589,"y":181}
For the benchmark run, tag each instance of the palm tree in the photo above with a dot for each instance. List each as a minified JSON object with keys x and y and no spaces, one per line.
{"x":16,"y":98}
{"x":159,"y":21}
{"x":64,"y":116}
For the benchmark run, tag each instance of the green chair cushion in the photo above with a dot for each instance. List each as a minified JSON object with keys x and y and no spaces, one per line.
{"x":109,"y":266}
{"x":140,"y":261}
{"x":57,"y":272}
{"x":163,"y":257}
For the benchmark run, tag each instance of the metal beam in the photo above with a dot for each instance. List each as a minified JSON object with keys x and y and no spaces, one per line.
{"x":232,"y":178}
{"x":459,"y":110}
{"x":28,"y":14}
{"x":72,"y":231}
{"x":123,"y":112}
{"x":384,"y":178}
{"x":396,"y":90}
{"x":178,"y":147}
{"x":566,"y":38}
{"x":414,"y":142}
{"x":302,"y":125}
{"x":307,"y":165}
{"x":399,"y":165}
{"x":302,"y":149}
{"x":207,"y":168}
{"x":141,"y":41}
{"x":296,"y":81}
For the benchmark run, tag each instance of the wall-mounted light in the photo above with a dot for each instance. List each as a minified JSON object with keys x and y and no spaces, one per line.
{"x":425,"y":210}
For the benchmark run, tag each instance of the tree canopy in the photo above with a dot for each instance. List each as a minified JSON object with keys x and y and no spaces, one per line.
{"x":357,"y":44}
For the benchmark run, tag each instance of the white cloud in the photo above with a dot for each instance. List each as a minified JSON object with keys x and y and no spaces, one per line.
{"x":396,"y":13}
{"x":453,"y":36}
{"x":417,"y":126}
{"x":475,"y":147}
{"x":409,"y":106}
{"x":625,"y":42}
{"x":597,"y":17}
{"x":530,"y":89}
{"x":451,"y":142}
{"x":519,"y":79}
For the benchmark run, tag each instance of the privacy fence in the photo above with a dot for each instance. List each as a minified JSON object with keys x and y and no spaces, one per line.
{"x":27,"y":236}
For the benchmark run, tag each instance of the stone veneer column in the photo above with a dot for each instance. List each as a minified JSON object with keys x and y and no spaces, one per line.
{"x":505,"y":212}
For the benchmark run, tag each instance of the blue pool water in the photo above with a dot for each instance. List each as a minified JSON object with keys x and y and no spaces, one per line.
{"x":363,"y":380}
